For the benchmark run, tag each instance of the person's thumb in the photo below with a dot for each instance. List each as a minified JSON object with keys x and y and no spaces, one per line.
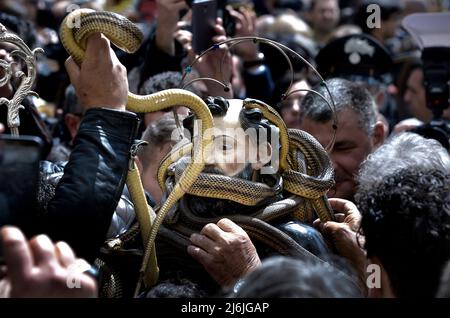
{"x":73,"y":70}
{"x":330,"y":228}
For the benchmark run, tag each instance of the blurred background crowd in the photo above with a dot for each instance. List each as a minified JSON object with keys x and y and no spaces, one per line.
{"x":392,"y":72}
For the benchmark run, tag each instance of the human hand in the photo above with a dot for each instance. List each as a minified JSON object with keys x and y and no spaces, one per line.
{"x":166,"y":23}
{"x":342,"y":233}
{"x":39,"y":268}
{"x":209,"y":65}
{"x":101,"y":81}
{"x":184,"y":36}
{"x":225,"y":250}
{"x":168,"y":12}
{"x":346,"y":212}
{"x":245,"y":26}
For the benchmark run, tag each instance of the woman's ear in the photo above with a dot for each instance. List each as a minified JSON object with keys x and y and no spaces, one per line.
{"x":264,"y":156}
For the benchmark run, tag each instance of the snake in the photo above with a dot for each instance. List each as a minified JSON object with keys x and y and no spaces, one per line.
{"x":313,"y":183}
{"x":310,"y":181}
{"x":126,"y":36}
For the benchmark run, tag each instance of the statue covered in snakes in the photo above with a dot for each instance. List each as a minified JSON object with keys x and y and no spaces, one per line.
{"x":269,"y":197}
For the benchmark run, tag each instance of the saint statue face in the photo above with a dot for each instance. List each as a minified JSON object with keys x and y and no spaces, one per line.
{"x":233,"y":150}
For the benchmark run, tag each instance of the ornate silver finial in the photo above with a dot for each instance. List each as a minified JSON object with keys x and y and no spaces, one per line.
{"x":27,"y":80}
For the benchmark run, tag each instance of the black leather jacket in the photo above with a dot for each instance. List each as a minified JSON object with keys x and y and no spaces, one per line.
{"x":79,"y":211}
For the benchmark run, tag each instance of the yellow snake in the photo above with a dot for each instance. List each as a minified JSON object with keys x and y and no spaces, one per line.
{"x":320,"y":175}
{"x":127,"y":36}
{"x":312,"y":183}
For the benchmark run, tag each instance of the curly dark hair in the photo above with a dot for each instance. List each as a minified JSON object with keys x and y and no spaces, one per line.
{"x":406,"y":224}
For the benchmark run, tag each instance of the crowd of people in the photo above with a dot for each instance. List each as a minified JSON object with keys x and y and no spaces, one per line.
{"x":390,"y":236}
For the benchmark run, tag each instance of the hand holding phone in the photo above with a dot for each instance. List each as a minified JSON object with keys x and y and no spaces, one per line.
{"x":19,"y":173}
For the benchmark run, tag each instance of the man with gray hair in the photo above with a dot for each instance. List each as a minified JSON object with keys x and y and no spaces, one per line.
{"x":161,"y":136}
{"x":358,"y":130}
{"x":70,"y":122}
{"x":157,"y":83}
{"x":401,"y":152}
{"x":404,"y":201}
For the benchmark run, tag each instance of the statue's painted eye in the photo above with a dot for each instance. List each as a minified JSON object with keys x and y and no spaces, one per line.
{"x":226,"y":146}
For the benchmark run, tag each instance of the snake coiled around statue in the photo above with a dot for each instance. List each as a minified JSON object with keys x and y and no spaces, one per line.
{"x":310,"y":181}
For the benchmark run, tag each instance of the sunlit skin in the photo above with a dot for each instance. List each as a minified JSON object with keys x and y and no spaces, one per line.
{"x":232,"y":149}
{"x":415,"y":96}
{"x":290,"y":111}
{"x":149,"y":174}
{"x":324,"y":18}
{"x":415,"y":99}
{"x":352,"y":146}
{"x":230,"y":152}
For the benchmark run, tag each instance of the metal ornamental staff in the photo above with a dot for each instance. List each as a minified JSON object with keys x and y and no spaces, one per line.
{"x":27,"y":80}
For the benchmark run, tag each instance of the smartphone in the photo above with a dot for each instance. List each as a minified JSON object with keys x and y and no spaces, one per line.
{"x":204,"y":14}
{"x":19,"y":176}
